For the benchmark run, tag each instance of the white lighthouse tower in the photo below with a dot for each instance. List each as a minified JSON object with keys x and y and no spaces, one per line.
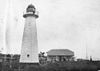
{"x":29,"y":50}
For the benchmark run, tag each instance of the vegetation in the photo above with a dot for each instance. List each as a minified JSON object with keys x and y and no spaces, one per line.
{"x":12,"y":64}
{"x":63,"y":66}
{"x":57,"y":66}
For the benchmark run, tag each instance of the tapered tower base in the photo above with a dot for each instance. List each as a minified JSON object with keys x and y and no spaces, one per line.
{"x":29,"y":50}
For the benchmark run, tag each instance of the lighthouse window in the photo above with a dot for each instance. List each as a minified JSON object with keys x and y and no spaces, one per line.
{"x":28,"y":55}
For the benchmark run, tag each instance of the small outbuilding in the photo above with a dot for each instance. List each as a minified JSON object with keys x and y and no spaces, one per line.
{"x":60,"y":55}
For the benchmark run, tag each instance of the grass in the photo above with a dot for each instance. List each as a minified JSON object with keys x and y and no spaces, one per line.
{"x":63,"y":66}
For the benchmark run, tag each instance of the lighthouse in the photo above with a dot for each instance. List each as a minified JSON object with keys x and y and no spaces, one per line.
{"x":29,"y":49}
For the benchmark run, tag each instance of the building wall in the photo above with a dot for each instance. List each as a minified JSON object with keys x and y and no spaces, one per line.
{"x":60,"y":58}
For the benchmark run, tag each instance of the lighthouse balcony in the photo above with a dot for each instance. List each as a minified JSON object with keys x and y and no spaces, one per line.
{"x":30,"y":14}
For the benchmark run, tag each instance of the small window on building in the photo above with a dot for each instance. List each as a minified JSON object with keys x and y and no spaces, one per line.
{"x":28,"y":55}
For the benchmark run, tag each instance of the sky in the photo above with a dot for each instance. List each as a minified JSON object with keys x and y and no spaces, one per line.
{"x":62,"y":24}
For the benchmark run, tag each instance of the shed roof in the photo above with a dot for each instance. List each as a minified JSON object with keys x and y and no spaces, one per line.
{"x":59,"y":52}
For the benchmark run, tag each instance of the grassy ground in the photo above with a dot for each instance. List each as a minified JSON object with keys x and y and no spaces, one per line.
{"x":57,"y":66}
{"x":63,"y":66}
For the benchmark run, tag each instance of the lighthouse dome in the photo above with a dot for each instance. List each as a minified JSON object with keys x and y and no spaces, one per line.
{"x":30,"y":11}
{"x":30,"y":8}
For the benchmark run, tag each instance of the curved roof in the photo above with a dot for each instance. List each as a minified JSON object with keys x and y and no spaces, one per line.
{"x":31,"y":6}
{"x":58,"y":52}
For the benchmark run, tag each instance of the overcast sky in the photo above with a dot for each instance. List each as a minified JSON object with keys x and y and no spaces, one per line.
{"x":62,"y":24}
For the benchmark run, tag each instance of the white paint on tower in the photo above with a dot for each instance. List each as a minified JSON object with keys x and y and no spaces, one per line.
{"x":29,"y":51}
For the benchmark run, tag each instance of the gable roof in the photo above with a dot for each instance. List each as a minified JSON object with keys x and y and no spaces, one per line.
{"x":58,"y":52}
